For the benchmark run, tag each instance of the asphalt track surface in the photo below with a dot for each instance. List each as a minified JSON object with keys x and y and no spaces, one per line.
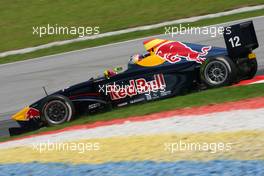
{"x":22,"y":82}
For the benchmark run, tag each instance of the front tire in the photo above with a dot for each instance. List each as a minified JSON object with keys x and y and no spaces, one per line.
{"x":56,"y":110}
{"x":218,"y":72}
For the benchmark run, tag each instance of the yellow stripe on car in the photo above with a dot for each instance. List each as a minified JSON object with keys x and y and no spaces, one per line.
{"x":252,"y":56}
{"x":151,"y":61}
{"x":153,"y":43}
{"x":21,"y":115}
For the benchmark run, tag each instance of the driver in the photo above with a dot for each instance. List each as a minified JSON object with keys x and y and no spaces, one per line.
{"x":138,"y":57}
{"x":150,"y":45}
{"x":112,"y":72}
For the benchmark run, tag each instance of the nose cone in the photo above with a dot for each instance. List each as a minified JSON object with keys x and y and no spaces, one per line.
{"x":21,"y":115}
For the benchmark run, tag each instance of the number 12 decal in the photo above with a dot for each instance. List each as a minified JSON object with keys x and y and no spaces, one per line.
{"x":235,"y":41}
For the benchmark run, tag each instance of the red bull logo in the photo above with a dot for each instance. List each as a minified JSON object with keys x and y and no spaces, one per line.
{"x":33,"y":113}
{"x":174,"y":51}
{"x":135,"y":87}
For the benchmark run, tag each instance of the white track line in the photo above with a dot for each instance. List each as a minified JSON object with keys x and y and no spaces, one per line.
{"x":140,"y":28}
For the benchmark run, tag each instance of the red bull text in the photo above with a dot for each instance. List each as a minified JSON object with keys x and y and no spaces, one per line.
{"x":135,"y":87}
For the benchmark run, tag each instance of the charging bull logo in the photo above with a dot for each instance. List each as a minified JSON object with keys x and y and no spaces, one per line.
{"x":174,"y":51}
{"x":135,"y":87}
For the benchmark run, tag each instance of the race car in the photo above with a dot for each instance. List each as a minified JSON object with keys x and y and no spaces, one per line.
{"x":169,"y":68}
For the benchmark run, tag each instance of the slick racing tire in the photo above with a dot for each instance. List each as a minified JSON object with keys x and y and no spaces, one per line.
{"x":253,"y":65}
{"x":218,"y":72}
{"x":57,"y":109}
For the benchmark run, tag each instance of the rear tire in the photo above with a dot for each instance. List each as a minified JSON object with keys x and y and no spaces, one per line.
{"x":56,"y":110}
{"x":253,"y":65}
{"x":218,"y":72}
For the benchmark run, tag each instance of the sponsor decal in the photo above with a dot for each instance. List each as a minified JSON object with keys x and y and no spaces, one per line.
{"x":33,"y":113}
{"x":135,"y":87}
{"x":174,"y":51}
{"x":137,"y":100}
{"x":165,"y":93}
{"x":148,"y":97}
{"x":94,"y":105}
{"x":122,"y":104}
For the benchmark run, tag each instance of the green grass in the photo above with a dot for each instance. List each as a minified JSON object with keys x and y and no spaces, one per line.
{"x":119,"y":38}
{"x":18,"y":17}
{"x":212,"y":96}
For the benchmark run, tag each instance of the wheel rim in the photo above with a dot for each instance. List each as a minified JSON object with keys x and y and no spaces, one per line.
{"x":56,"y":112}
{"x":216,"y":72}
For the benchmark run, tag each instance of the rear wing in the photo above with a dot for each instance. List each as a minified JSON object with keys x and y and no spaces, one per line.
{"x":240,"y":39}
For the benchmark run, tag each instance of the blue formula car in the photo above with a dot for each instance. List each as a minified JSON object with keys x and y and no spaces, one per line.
{"x":169,"y":68}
